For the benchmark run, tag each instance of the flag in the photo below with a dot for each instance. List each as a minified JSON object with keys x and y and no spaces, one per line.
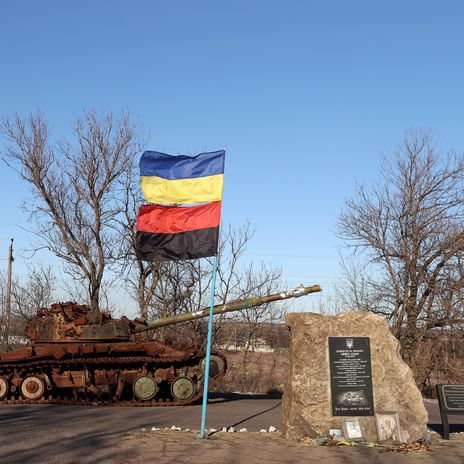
{"x":175,"y":226}
{"x":176,"y":232}
{"x":171,"y":180}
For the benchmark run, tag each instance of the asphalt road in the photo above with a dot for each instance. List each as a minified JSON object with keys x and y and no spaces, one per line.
{"x":80,"y":434}
{"x":77,"y":434}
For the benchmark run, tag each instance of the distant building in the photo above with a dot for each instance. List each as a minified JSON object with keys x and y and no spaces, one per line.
{"x":254,"y":337}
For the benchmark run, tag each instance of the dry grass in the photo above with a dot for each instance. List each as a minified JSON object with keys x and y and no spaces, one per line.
{"x":255,"y":372}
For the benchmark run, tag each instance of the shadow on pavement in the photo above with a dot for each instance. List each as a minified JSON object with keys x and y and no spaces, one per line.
{"x":255,"y":415}
{"x":225,"y":397}
{"x":453,"y":428}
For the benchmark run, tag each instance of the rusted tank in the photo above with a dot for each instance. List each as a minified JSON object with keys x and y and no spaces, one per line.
{"x":80,"y":356}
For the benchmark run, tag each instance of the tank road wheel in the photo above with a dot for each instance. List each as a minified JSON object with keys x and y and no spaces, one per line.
{"x":32,"y":387}
{"x":216,"y":365}
{"x":183,"y":389}
{"x":145,"y":387}
{"x":3,"y":387}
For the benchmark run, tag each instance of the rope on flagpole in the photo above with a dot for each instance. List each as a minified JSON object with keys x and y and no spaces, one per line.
{"x":208,"y":353}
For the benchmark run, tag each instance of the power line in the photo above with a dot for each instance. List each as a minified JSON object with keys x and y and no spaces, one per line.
{"x":291,"y":256}
{"x":315,"y":276}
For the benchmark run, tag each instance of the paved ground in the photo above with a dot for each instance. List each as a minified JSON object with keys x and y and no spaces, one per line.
{"x":73,"y":434}
{"x":165,"y":447}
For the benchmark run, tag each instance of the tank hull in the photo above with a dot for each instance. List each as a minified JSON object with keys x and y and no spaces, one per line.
{"x":118,"y":373}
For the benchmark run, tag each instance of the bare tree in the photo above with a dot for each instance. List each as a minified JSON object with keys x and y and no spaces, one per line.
{"x":407,"y":231}
{"x":262,"y":281}
{"x":76,"y":188}
{"x":27,"y":295}
{"x":37,"y":291}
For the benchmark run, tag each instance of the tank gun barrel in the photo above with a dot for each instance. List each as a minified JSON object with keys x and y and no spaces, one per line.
{"x":228,"y":307}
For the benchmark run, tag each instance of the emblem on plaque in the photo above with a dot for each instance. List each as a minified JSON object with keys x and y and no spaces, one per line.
{"x":349,"y":343}
{"x":352,"y":398}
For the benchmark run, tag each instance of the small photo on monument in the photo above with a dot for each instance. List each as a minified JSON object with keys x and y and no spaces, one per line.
{"x":335,"y":433}
{"x":388,"y":427}
{"x":352,"y":429}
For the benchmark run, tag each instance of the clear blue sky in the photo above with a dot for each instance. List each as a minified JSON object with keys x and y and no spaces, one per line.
{"x":303,"y":95}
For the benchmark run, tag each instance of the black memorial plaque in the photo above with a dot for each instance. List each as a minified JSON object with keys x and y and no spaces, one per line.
{"x":351,"y":376}
{"x":451,"y":401}
{"x":451,"y":397}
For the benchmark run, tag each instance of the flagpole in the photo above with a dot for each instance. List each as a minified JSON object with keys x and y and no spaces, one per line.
{"x":208,"y":352}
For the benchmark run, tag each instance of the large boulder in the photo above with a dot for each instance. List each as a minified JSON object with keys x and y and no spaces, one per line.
{"x":306,"y":407}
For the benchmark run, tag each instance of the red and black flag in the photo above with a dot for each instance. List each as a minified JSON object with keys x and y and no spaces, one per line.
{"x":175,"y":226}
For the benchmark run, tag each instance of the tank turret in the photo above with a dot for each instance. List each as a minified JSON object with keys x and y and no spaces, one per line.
{"x":71,"y":322}
{"x":80,"y":356}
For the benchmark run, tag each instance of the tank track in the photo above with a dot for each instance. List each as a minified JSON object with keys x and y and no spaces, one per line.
{"x":16,"y":371}
{"x":131,"y":404}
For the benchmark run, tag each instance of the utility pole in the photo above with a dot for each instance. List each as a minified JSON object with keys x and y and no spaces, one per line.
{"x":8,"y":298}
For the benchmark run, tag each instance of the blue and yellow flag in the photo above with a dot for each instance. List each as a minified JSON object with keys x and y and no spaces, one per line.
{"x":174,"y":180}
{"x":184,"y":218}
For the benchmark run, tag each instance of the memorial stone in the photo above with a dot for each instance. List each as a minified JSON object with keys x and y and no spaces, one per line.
{"x":369,"y":377}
